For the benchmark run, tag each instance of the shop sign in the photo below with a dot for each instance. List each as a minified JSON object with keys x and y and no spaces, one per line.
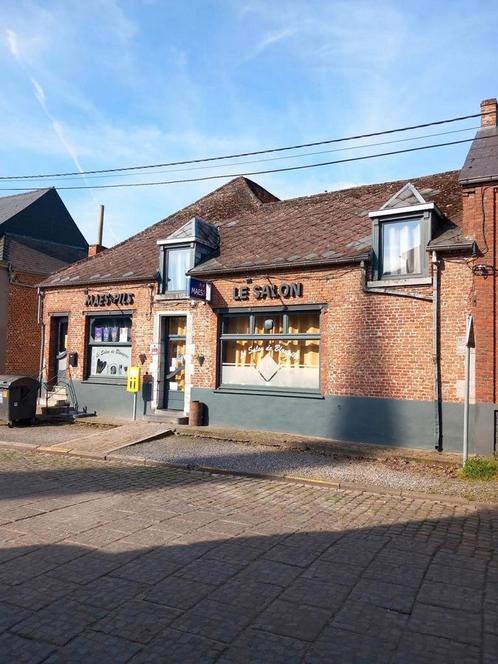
{"x":106,"y":299}
{"x":197,"y":289}
{"x":268,"y":292}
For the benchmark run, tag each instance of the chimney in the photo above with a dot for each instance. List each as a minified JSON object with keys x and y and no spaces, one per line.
{"x":489,"y":113}
{"x":94,"y":249}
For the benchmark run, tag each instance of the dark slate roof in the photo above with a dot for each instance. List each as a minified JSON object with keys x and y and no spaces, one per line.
{"x":257,"y":230}
{"x":40,"y":214}
{"x":481,"y":163}
{"x":12,"y":205}
{"x":138,"y":257}
{"x":43,"y":257}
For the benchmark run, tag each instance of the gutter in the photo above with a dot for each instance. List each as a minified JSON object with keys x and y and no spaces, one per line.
{"x":280,"y":266}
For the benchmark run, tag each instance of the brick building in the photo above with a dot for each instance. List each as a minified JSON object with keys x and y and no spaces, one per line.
{"x":339,"y":315}
{"x":38,"y":236}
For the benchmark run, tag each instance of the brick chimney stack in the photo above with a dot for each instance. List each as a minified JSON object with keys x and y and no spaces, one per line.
{"x":94,"y":249}
{"x":489,"y":107}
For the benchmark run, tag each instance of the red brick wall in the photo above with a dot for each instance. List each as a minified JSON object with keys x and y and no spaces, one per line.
{"x":23,"y":331}
{"x":372,"y":345}
{"x":480,"y":212}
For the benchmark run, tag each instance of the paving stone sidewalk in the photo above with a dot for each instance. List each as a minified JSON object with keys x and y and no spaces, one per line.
{"x":107,"y":562}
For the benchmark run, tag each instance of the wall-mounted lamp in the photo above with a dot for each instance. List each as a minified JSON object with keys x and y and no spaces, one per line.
{"x":483,"y":270}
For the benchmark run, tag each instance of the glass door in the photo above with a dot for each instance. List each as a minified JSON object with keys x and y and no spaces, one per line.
{"x":60,"y":348}
{"x":174,"y":345}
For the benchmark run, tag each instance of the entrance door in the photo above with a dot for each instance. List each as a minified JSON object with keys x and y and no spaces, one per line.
{"x":174,"y":345}
{"x":60,"y":348}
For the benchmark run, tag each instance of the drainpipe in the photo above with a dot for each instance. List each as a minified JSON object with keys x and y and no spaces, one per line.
{"x":41,"y":295}
{"x":438,"y":438}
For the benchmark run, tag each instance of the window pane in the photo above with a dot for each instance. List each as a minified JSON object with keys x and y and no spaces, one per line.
{"x":179,"y":262}
{"x":176,"y":369}
{"x":308,"y":323}
{"x":236,"y":325}
{"x":269,"y":324}
{"x":276,"y":363}
{"x":178,"y":326}
{"x":111,"y":329}
{"x":110,"y":361}
{"x":401,"y":249}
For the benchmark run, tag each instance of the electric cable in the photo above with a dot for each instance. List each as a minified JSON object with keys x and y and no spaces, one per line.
{"x":247,"y":154}
{"x":261,"y":172}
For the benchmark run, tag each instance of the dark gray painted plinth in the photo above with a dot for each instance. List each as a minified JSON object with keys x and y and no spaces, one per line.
{"x":393,"y":422}
{"x":108,"y":399}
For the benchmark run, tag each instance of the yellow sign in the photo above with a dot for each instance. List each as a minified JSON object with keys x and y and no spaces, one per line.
{"x":133,"y":379}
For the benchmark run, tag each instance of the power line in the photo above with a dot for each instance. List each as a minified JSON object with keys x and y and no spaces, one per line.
{"x":247,"y":154}
{"x":263,"y":172}
{"x":268,"y":159}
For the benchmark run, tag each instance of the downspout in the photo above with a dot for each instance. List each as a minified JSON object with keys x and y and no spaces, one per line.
{"x":41,"y":295}
{"x":434,"y":298}
{"x":436,"y":364}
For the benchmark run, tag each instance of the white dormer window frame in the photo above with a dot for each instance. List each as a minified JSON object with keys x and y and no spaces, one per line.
{"x":400,"y":236}
{"x":177,"y":258}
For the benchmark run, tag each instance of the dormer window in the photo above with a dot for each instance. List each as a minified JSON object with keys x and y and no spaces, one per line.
{"x":189,"y":245}
{"x":401,"y":248}
{"x":178,"y":261}
{"x":402,"y":230}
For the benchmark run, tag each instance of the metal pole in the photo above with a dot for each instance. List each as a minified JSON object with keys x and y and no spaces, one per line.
{"x":466,"y":398}
{"x":134,"y":405}
{"x":100,"y":232}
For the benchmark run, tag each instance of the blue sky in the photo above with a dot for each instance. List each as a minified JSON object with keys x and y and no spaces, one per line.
{"x":104,"y":83}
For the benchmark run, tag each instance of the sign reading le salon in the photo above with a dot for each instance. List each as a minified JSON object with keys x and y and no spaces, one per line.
{"x":269,"y":291}
{"x":106,"y":299}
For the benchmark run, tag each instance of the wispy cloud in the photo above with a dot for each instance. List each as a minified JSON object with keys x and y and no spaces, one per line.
{"x":12,"y":45}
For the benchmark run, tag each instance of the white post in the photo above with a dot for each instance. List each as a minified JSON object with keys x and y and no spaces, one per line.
{"x":469,"y":343}
{"x":466,"y":397}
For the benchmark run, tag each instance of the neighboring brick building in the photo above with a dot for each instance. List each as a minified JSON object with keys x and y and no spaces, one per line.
{"x":37,"y":237}
{"x":339,"y":315}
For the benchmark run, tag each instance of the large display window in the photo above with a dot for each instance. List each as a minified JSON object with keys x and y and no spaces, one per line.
{"x":277,"y":350}
{"x":109,"y":346}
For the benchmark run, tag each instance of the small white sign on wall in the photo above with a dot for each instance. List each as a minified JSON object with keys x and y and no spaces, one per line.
{"x":154,"y":349}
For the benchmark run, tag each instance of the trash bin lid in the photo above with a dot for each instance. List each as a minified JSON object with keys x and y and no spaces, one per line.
{"x":7,"y":381}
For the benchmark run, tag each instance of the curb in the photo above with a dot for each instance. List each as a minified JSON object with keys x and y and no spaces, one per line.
{"x":346,"y":486}
{"x":455,"y":501}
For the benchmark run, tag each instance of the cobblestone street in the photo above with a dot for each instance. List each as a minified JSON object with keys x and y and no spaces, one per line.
{"x":109,"y":562}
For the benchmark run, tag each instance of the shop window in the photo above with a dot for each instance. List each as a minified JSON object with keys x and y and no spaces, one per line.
{"x":271,"y":350}
{"x":109,"y":346}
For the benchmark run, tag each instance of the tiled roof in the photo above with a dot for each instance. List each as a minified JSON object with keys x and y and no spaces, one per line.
{"x":325,"y":228}
{"x":138,"y":257}
{"x":258,"y":230}
{"x":27,"y":254}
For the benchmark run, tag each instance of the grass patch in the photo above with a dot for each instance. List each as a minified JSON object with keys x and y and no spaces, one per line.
{"x":480,"y":468}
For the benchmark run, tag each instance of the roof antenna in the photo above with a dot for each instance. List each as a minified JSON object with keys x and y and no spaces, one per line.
{"x":100,"y":232}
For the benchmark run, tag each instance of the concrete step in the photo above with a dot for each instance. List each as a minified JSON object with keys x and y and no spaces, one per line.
{"x":167,"y":417}
{"x":56,"y":410}
{"x":55,"y":402}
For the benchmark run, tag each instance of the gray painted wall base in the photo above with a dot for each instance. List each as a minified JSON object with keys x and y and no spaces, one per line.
{"x":393,"y":422}
{"x":108,"y":399}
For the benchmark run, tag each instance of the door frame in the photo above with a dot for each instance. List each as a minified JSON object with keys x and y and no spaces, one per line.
{"x":172,"y":397}
{"x":53,"y":369}
{"x":157,"y":365}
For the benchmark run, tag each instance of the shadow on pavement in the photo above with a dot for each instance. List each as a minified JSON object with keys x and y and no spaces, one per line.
{"x":239,"y":571}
